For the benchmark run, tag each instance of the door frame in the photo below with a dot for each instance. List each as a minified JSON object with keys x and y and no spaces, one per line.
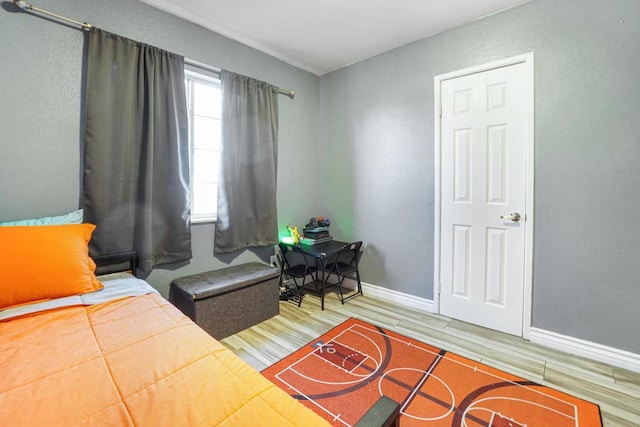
{"x":527,"y":59}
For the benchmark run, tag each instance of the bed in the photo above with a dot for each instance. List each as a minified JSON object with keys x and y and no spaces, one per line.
{"x":109,"y":350}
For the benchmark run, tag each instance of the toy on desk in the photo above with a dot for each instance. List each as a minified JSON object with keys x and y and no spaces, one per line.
{"x":317,"y":223}
{"x":295,"y":235}
{"x":316,"y":231}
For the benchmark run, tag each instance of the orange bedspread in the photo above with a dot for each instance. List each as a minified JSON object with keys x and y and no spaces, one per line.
{"x":136,"y":361}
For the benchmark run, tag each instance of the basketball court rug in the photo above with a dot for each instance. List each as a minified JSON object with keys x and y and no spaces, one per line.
{"x":344,"y":372}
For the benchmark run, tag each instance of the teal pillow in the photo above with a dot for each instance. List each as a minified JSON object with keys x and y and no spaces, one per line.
{"x":74,"y":217}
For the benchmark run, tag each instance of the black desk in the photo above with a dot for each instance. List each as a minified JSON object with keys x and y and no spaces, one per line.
{"x":321,"y":252}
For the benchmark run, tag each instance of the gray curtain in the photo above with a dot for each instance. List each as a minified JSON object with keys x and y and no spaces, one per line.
{"x":247,"y":214}
{"x":136,"y":154}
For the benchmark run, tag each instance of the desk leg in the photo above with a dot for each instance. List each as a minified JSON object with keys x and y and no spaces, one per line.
{"x":321,"y":260}
{"x":322,"y":286}
{"x":325,"y":276}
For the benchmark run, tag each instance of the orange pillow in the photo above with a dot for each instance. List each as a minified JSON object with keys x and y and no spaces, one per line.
{"x":45,"y":262}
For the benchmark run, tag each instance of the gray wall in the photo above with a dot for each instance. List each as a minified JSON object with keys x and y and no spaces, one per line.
{"x":40,"y":112}
{"x":374,"y":176}
{"x":377,"y":142}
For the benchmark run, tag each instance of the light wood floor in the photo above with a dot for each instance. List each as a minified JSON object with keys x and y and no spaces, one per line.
{"x":616,"y":390}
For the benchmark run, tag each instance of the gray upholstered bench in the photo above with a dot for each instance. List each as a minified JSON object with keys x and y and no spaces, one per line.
{"x":228,"y":300}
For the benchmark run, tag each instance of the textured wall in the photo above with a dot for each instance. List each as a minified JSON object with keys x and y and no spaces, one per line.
{"x":374,"y":178}
{"x":40,"y":112}
{"x":377,"y":142}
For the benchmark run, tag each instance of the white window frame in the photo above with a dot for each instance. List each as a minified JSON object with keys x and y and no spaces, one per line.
{"x":190,"y":78}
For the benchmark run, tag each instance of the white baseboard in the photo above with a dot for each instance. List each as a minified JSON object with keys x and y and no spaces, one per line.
{"x":398,"y":297}
{"x":602,"y":353}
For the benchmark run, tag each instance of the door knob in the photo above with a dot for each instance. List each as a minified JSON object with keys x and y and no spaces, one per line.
{"x":515,"y":217}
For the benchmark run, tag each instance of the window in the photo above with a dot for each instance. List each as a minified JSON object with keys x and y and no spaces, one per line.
{"x":204,"y":102}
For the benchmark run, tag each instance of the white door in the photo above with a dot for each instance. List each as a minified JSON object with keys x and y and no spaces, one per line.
{"x":485,"y":132}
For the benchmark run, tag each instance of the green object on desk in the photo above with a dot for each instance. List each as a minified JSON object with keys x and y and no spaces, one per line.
{"x":287,"y":239}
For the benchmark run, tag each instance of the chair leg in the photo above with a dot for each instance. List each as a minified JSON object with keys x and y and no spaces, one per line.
{"x":340,"y":289}
{"x":300,"y":292}
{"x":358,"y":290}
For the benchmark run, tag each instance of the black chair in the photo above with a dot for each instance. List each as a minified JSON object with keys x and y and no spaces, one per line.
{"x":345,"y":265}
{"x":296,"y":271}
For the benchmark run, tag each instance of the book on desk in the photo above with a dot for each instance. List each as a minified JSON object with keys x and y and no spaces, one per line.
{"x":307,"y":241}
{"x":315,"y":235}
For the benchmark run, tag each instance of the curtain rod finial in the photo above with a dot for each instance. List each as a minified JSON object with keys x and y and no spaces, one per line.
{"x":22,"y":4}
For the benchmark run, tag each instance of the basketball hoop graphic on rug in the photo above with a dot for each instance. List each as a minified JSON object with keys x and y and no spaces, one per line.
{"x":343,"y":373}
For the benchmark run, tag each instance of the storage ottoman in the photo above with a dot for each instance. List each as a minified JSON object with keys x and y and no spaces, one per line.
{"x":228,"y":300}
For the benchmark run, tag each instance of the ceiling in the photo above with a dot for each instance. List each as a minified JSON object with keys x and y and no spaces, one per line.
{"x":321,"y":36}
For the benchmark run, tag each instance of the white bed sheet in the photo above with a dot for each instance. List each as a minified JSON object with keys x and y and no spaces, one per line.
{"x":116,"y":286}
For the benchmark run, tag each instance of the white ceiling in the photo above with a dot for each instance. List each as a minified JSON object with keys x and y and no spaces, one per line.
{"x":321,"y":36}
